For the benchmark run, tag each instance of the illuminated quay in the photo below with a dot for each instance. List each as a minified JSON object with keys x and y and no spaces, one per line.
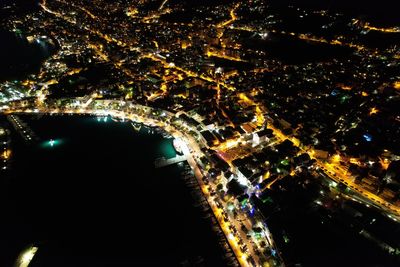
{"x":287,"y":114}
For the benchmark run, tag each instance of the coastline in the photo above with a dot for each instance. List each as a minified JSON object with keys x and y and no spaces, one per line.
{"x":189,"y":146}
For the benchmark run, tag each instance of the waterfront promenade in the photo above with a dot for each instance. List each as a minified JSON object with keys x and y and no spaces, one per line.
{"x":192,"y":153}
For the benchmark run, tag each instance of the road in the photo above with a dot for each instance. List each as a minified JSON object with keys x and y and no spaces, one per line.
{"x":338,"y":174}
{"x":229,"y":225}
{"x":333,"y":170}
{"x":233,"y":241}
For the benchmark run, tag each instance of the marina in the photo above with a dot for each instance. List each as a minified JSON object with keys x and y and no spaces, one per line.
{"x":94,"y":194}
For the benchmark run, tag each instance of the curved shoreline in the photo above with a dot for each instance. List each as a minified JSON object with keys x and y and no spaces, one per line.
{"x":190,"y":146}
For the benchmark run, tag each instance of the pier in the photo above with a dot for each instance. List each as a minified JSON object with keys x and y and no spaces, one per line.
{"x":162,"y":162}
{"x":22,"y":128}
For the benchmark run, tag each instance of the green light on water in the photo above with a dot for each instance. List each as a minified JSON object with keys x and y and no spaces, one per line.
{"x":51,"y":143}
{"x":167,"y":149}
{"x":104,"y":119}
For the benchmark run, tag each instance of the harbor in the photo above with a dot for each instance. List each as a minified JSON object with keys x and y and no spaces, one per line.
{"x":101,"y":214}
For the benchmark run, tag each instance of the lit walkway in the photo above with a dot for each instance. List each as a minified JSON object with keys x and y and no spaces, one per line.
{"x":162,"y":162}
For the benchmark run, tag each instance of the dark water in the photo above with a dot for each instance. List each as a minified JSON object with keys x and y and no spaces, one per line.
{"x":10,"y":8}
{"x":18,"y":57}
{"x":384,"y":12}
{"x":293,"y":51}
{"x":95,"y":199}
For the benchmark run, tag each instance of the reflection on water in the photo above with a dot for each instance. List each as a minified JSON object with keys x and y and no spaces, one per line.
{"x":96,"y":199}
{"x":26,"y":257}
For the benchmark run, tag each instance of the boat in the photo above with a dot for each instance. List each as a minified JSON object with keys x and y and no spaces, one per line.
{"x":177,"y":143}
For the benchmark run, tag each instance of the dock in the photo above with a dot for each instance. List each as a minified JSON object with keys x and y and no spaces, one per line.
{"x":162,"y":162}
{"x":22,"y":128}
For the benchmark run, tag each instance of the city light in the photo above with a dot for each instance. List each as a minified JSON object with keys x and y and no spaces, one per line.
{"x":270,"y":107}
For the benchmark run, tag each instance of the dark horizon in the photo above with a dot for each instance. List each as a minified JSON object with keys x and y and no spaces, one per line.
{"x":385,"y":11}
